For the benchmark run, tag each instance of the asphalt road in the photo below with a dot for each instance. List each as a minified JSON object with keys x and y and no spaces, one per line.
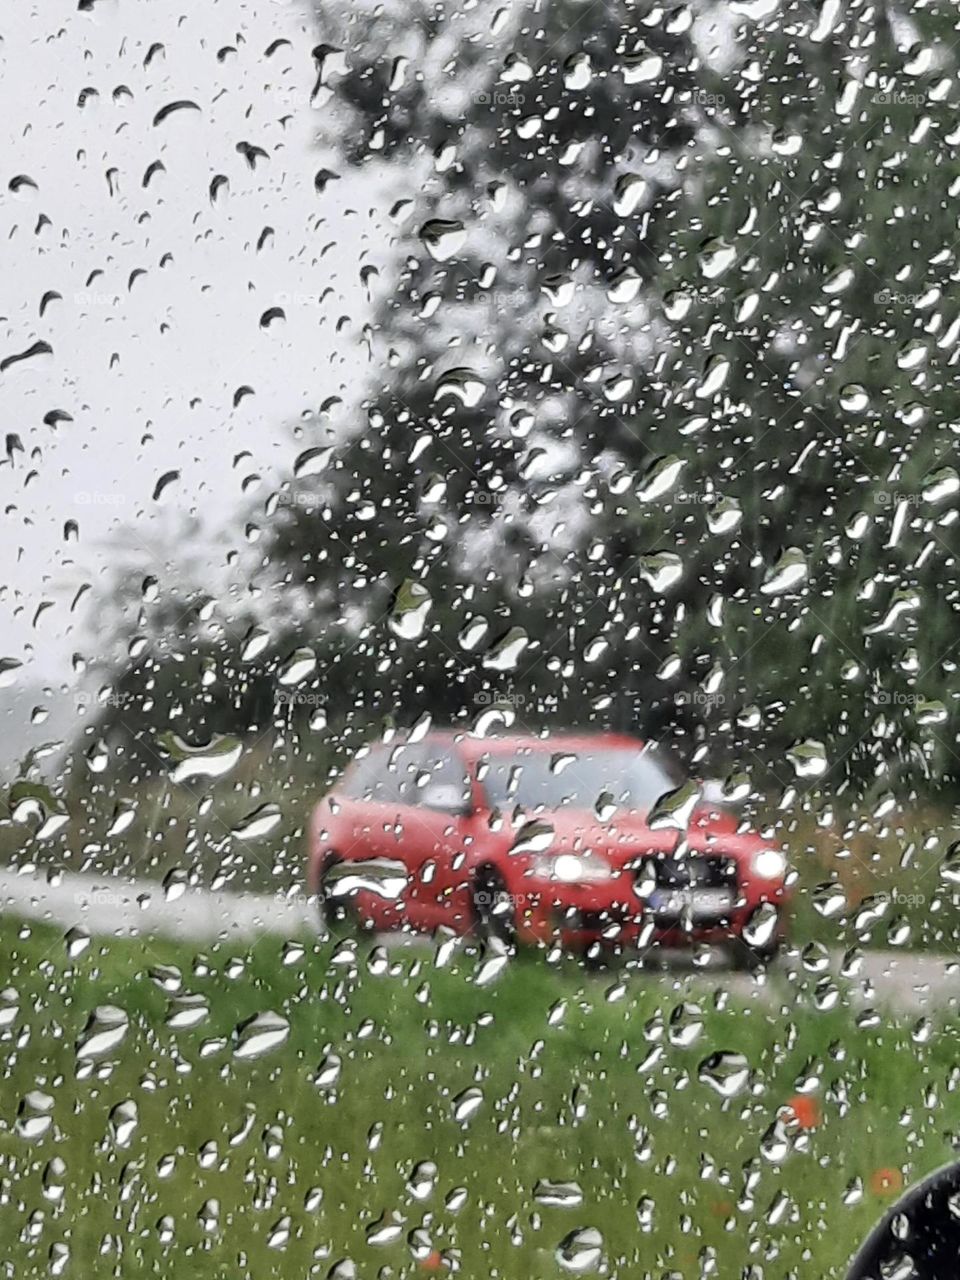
{"x":901,"y":981}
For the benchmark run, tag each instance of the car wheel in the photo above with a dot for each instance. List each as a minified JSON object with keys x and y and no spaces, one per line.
{"x":747,"y":959}
{"x":338,"y":912}
{"x":493,"y":911}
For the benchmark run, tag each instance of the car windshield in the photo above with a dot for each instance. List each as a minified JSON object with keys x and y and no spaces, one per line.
{"x":629,"y":778}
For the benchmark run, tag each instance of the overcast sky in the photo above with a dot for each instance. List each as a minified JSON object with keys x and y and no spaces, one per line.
{"x":147,"y":370}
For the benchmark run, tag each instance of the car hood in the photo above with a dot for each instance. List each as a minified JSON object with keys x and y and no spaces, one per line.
{"x":629,"y":833}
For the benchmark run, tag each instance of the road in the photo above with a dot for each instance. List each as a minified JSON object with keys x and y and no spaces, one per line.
{"x":901,"y":981}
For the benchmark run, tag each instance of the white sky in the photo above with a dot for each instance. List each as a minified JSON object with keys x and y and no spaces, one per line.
{"x":148,"y":374}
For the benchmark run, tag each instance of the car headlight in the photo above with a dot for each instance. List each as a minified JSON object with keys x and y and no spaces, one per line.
{"x":573,"y":868}
{"x":769,"y":864}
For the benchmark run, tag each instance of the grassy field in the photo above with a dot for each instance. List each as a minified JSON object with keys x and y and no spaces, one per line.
{"x":602,"y":1081}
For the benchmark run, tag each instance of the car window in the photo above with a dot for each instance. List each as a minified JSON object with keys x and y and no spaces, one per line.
{"x":583,"y":779}
{"x":442,"y":781}
{"x":404,"y":767}
{"x":390,"y":775}
{"x":371,"y":779}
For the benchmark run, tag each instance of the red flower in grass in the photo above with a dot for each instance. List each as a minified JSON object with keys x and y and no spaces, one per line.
{"x":805,"y":1110}
{"x":886,"y":1182}
{"x":433,"y":1261}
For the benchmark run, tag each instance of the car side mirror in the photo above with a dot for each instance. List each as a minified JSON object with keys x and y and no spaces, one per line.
{"x":447,"y":797}
{"x":919,"y":1237}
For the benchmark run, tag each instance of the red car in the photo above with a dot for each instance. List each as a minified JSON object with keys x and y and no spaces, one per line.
{"x":537,"y":840}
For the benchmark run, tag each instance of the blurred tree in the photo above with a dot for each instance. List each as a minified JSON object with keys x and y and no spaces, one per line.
{"x":663,"y":377}
{"x":660,"y":422}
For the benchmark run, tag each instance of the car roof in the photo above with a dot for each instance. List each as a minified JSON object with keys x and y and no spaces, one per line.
{"x":472,"y":748}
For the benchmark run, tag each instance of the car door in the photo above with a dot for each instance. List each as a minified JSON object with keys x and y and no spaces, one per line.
{"x":435,"y":817}
{"x":372,"y":831}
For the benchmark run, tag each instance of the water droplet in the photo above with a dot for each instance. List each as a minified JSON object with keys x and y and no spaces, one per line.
{"x":260,"y":1035}
{"x":259,"y":823}
{"x":686,"y":1025}
{"x":77,"y":940}
{"x":829,"y":900}
{"x":105,"y":1031}
{"x":34,"y":1115}
{"x":54,"y":1179}
{"x":580,"y":1251}
{"x":174,"y":884}
{"x":558,"y":1195}
{"x":674,"y":809}
{"x":725,"y":1073}
{"x":463,"y":384}
{"x":422,"y":1180}
{"x":661,"y":477}
{"x":467,"y":1104}
{"x":715,"y":257}
{"x":300,"y":665}
{"x":8,"y":671}
{"x":629,"y":193}
{"x":662,"y":570}
{"x":408,"y":615}
{"x":443,"y":238}
{"x":760,"y":930}
{"x":809,"y":758}
{"x":187,"y":1011}
{"x":788,"y":572}
{"x":535,"y":836}
{"x":211,"y":760}
{"x":507,"y":651}
{"x":124,"y":1118}
{"x":941,"y":484}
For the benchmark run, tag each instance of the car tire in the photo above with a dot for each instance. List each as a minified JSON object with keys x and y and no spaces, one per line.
{"x":338,"y":914}
{"x":747,"y":959}
{"x":493,"y":911}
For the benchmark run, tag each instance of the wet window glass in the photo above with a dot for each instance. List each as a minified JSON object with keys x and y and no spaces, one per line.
{"x":479,"y":647}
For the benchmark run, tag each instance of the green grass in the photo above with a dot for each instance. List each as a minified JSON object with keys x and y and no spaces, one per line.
{"x":902,"y":865}
{"x":605,"y":1097}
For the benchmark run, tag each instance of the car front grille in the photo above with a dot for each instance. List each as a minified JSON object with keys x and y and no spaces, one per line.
{"x":697,"y":871}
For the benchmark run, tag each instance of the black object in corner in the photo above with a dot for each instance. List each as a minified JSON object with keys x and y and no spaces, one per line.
{"x":922,"y":1229}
